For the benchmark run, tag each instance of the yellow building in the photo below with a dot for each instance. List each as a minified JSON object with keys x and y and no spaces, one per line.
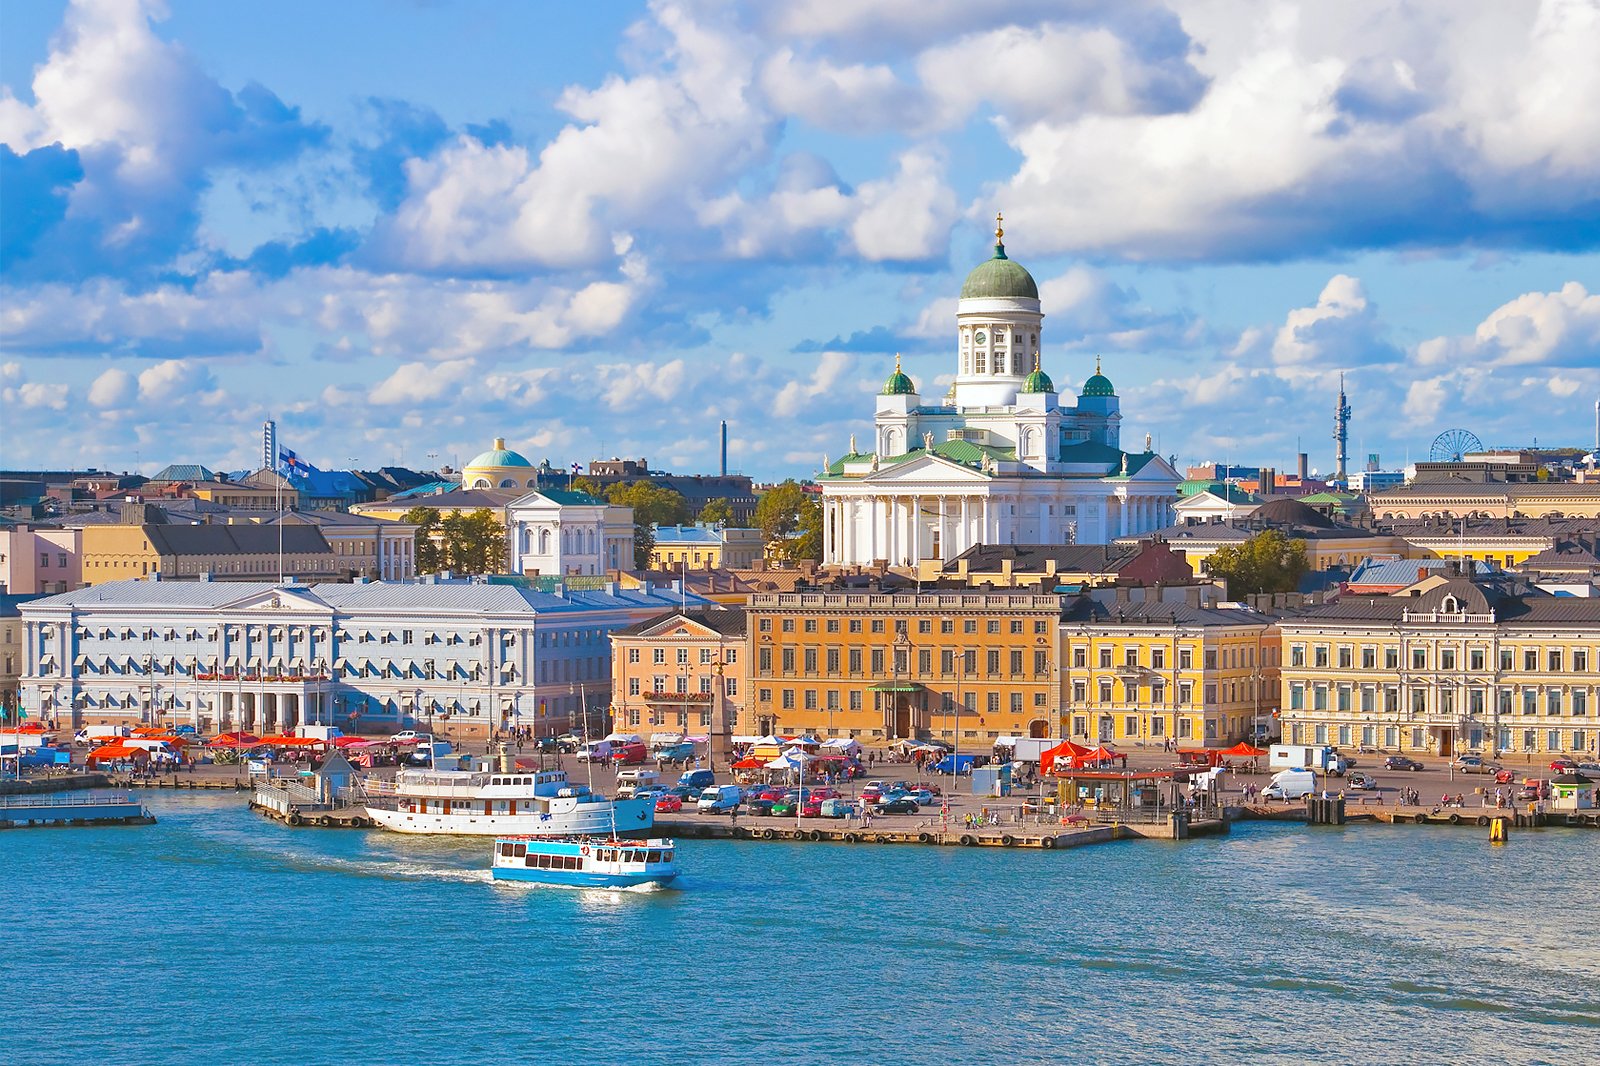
{"x":1444,"y":667}
{"x":1330,"y":544}
{"x":456,"y":501}
{"x":677,"y":670}
{"x":1456,"y":499}
{"x":880,"y":665}
{"x":1503,"y":542}
{"x":705,"y":548}
{"x":1153,"y":673}
{"x":241,"y":552}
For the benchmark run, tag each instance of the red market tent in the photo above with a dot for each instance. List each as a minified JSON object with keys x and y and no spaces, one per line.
{"x":1098,"y":755}
{"x":289,"y":742}
{"x":235,"y":740}
{"x":1064,"y":751}
{"x":116,"y":753}
{"x":749,"y":764}
{"x":1243,"y":750}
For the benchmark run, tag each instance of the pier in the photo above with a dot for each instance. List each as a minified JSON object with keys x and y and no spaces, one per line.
{"x":1476,"y":817}
{"x":23,"y":812}
{"x":1069,"y":833}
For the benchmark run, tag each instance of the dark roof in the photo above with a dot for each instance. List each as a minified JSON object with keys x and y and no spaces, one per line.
{"x":1511,"y":600}
{"x":1287,"y":511}
{"x":464,"y":499}
{"x":1087,"y":609}
{"x":1032,"y":558}
{"x":726,"y":621}
{"x":1566,"y":556}
{"x":236,"y":540}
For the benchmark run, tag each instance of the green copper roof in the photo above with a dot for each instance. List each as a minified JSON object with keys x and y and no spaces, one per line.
{"x":898,"y":384}
{"x":499,"y":455}
{"x":1098,"y":385}
{"x":999,"y":277}
{"x":1038,"y":381}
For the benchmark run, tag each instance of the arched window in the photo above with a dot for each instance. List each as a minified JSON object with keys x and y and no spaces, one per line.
{"x":1450,"y":606}
{"x":508,"y":483}
{"x":480,"y":483}
{"x":544,"y":541}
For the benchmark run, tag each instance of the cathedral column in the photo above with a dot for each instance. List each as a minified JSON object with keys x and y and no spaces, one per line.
{"x":891,"y":538}
{"x":983,"y":538}
{"x":916,"y":530}
{"x":944,"y":539}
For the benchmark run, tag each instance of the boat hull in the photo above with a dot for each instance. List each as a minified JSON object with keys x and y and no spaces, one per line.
{"x":633,"y":818}
{"x":580,"y":878}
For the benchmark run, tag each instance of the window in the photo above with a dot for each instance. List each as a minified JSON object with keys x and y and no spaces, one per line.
{"x":1369,"y":658}
{"x":1580,"y":701}
{"x":811,"y":660}
{"x":811,"y":699}
{"x":683,"y":656}
{"x":833,"y":625}
{"x":1185,"y":658}
{"x":1553,"y":703}
{"x":788,"y":661}
{"x":1297,"y":655}
{"x":1080,"y":691}
{"x":992,"y":702}
{"x":1580,"y":660}
{"x":1211,"y":659}
{"x":992,"y":661}
{"x":1347,"y":657}
{"x":633,"y":655}
{"x":833,"y":660}
{"x":1041,"y":662}
{"x":658,"y":656}
{"x":1505,"y":659}
{"x":877,"y":625}
{"x":855,"y":699}
{"x":1419,"y":701}
{"x":1530,"y":701}
{"x":764,"y":660}
{"x":633,"y":686}
{"x":1319,"y":655}
{"x":855,"y":660}
{"x":1552,"y":740}
{"x":1530,"y":659}
{"x":1419,"y":658}
{"x":1130,"y":656}
{"x":1211,"y":694}
{"x":854,"y":625}
{"x":1186,"y":693}
{"x":810,"y":625}
{"x":1158,"y":658}
{"x":705,"y":655}
{"x":787,"y":625}
{"x":1080,"y":658}
{"x":924,"y":625}
{"x":1447,"y":658}
{"x":1105,"y":657}
{"x":1105,"y":690}
{"x":1016,"y":626}
{"x":1553,"y":658}
{"x":1391,"y":658}
{"x":1158,"y":691}
{"x":1475,"y":660}
{"x":877,"y":661}
{"x":1130,"y":725}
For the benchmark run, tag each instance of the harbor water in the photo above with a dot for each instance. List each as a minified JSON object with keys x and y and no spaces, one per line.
{"x":216,"y":936}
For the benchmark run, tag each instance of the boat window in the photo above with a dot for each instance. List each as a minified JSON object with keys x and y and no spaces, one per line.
{"x":570,"y":862}
{"x":532,"y":860}
{"x":520,"y":850}
{"x":666,"y":856}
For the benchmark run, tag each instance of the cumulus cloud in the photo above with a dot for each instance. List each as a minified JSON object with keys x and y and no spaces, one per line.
{"x":1536,"y":329}
{"x":1342,"y":330}
{"x":793,"y":397}
{"x":114,"y":388}
{"x":175,"y":380}
{"x":418,"y":383}
{"x":148,"y":126}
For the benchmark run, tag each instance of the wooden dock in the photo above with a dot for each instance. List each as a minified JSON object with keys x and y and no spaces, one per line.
{"x":1045,"y":837}
{"x":1474,"y":817}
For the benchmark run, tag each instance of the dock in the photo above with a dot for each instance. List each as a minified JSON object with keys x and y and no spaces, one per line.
{"x":23,"y":812}
{"x":1475,"y":817}
{"x":1045,"y":836}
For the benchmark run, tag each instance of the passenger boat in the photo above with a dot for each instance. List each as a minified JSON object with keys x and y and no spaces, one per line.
{"x":540,"y":803}
{"x":584,"y":862}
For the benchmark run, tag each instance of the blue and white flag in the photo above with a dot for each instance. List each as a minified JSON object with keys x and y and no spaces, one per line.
{"x":287,"y":457}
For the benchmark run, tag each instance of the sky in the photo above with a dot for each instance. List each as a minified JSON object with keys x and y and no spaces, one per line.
{"x":405,"y":227}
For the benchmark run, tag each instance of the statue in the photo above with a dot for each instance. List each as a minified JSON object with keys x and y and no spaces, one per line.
{"x":927,"y":441}
{"x":1147,"y":444}
{"x":853,"y":449}
{"x":1124,"y":464}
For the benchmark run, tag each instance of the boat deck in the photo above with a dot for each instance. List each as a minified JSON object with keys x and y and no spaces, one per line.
{"x":23,"y":812}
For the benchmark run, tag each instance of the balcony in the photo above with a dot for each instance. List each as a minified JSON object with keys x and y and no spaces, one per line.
{"x":676,"y":697}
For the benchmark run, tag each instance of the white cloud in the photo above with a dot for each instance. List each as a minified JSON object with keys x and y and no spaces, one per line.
{"x":421,"y":383}
{"x":847,"y":98}
{"x":907,"y":215}
{"x":175,"y":381}
{"x":1341,"y":331}
{"x":794,"y":397}
{"x":114,"y":388}
{"x":1425,"y":401}
{"x":1536,"y":329}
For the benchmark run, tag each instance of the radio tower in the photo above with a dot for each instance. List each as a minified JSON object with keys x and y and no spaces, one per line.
{"x":269,"y":445}
{"x":1341,"y":433}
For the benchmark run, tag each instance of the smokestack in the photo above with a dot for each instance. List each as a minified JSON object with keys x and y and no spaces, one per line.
{"x":1303,"y":465}
{"x":724,"y":447}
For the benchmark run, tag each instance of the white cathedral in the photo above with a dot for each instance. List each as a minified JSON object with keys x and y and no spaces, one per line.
{"x":1001,"y":459}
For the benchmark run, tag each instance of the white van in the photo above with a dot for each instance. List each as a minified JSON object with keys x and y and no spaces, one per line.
{"x":1290,"y":785}
{"x":631,"y":781}
{"x":596,"y":751}
{"x":719,"y":799}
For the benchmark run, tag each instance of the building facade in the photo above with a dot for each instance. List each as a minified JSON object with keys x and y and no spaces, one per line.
{"x":684,"y":671}
{"x":36,"y":559}
{"x":1444,"y":667}
{"x":883,"y":666}
{"x":223,"y":552}
{"x":371,"y":657}
{"x":364,"y":547}
{"x":706,"y":548}
{"x":1000,"y":459}
{"x":1156,"y":673}
{"x":559,"y":532}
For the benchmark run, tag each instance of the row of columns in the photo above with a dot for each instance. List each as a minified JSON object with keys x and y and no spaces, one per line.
{"x":1142,"y":514}
{"x":895,"y":530}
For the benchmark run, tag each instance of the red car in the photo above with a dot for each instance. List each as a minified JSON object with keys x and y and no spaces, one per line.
{"x":629,"y":755}
{"x":668,"y":804}
{"x":1563,"y":765}
{"x":812,"y":808}
{"x":871,"y":792}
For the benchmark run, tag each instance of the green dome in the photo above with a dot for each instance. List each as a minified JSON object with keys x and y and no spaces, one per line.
{"x":1098,"y":385}
{"x":1038,"y":381}
{"x":499,"y":455}
{"x":999,"y":277}
{"x":898,"y":384}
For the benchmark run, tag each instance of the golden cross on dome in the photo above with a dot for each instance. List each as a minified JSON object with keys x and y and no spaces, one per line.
{"x":999,"y":229}
{"x":897,"y":362}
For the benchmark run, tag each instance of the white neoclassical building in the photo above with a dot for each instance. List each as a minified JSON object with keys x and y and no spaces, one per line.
{"x":1000,"y":459}
{"x":559,"y":532}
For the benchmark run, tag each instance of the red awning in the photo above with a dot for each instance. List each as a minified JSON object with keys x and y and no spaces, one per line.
{"x":1063,"y":751}
{"x":749,"y":764}
{"x":235,"y":740}
{"x":1243,"y":750}
{"x":116,"y":753}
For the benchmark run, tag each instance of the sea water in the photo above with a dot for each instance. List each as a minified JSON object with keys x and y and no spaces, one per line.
{"x":216,"y":936}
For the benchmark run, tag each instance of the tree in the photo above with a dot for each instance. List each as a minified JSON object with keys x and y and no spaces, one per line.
{"x":790,"y":520}
{"x":474,"y":542}
{"x":716,"y":513}
{"x":1267,"y":562}
{"x":652,"y":506}
{"x":429,"y":552}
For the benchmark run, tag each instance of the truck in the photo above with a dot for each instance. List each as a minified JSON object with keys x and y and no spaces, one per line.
{"x":1028,"y":749}
{"x":320,"y":732}
{"x":1324,"y":758}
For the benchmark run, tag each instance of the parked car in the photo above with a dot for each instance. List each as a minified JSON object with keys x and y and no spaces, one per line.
{"x":1563,"y":764}
{"x":1504,"y":777}
{"x":923,"y":797}
{"x":1591,"y":770}
{"x":1474,"y":764}
{"x":686,"y":793}
{"x":812,"y":808}
{"x":871,"y":791}
{"x":839,"y":808}
{"x":761,"y":805}
{"x":719,"y":800}
{"x":1532,"y":789}
{"x":901,"y":804}
{"x":1361,"y":781}
{"x":569,"y":743}
{"x":667,"y":803}
{"x":783,"y":808}
{"x":408,"y":736}
{"x":1400,"y":762}
{"x":697,"y":778}
{"x":652,"y":792}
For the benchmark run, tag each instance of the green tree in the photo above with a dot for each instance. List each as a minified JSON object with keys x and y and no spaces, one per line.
{"x":429,"y":554}
{"x":474,"y":542}
{"x":716,"y":513}
{"x":652,"y":506}
{"x":1268,"y":561}
{"x":790,"y":520}
{"x":583,"y":484}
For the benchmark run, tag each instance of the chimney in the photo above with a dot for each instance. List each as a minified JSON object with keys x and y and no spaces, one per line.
{"x":1303,"y":465}
{"x":724,"y":447}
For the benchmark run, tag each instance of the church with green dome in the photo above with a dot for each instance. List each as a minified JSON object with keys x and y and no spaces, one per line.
{"x":1001,"y":457}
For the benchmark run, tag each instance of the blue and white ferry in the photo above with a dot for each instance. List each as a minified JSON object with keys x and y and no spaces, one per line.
{"x":585,"y":862}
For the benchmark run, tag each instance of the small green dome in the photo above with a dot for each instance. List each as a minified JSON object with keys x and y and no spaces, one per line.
{"x":1038,"y":381}
{"x":1098,"y":384}
{"x":898,"y":384}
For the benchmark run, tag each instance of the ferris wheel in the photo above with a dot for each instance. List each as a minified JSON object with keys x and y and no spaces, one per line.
{"x":1452,"y":444}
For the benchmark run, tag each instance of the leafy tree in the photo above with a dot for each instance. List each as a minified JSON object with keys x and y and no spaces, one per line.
{"x":1267,"y":562}
{"x":716,"y":513}
{"x":429,"y":552}
{"x":790,"y":520}
{"x":464,"y":543}
{"x":652,"y":506}
{"x":584,"y":484}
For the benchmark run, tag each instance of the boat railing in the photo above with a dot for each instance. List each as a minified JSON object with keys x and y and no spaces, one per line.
{"x":96,"y":799}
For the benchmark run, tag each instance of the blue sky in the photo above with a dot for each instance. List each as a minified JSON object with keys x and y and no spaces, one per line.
{"x":409,"y":226}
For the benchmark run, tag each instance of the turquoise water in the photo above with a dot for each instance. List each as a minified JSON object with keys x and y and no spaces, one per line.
{"x":216,"y":936}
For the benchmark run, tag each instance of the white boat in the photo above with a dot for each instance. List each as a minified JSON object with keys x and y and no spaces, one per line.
{"x":581,"y":862}
{"x":539,"y":803}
